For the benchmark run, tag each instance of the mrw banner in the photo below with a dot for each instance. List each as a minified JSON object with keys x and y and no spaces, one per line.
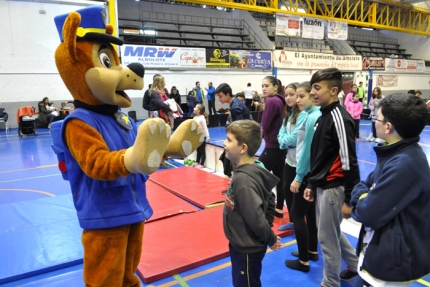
{"x":317,"y":61}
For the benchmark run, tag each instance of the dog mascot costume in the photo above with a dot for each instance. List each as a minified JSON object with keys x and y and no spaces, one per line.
{"x":106,"y":157}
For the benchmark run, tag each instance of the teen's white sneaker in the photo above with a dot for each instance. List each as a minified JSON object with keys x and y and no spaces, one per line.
{"x":378,"y":140}
{"x":370,"y":138}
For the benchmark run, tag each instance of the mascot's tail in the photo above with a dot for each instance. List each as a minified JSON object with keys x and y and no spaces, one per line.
{"x":58,"y":147}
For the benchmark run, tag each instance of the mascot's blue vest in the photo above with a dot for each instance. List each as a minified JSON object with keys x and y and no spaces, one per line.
{"x":114,"y":203}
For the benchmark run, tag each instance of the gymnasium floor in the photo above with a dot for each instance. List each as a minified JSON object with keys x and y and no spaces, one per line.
{"x":29,"y":177}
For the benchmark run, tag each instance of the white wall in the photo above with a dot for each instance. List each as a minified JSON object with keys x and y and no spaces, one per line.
{"x":29,"y":40}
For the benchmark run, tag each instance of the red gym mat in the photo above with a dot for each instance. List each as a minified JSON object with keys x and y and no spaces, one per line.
{"x":179,"y":243}
{"x":194,"y":185}
{"x":164,"y":203}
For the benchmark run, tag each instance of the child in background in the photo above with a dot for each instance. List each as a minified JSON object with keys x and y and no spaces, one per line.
{"x":191,"y":102}
{"x":306,"y":231}
{"x":272,"y":156}
{"x":374,"y":106}
{"x":248,"y":210}
{"x":202,"y":118}
{"x":393,"y":203}
{"x":355,"y":108}
{"x":350,"y":95}
{"x":287,"y":138}
{"x":256,"y":102}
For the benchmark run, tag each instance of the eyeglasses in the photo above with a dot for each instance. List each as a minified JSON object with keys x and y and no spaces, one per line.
{"x":378,"y":120}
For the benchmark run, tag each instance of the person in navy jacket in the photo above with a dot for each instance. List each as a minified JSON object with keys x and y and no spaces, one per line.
{"x":393,"y":203}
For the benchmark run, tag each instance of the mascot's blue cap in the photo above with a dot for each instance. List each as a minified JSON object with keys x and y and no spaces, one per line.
{"x":92,"y":26}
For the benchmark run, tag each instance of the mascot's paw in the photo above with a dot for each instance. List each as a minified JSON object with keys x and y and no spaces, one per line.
{"x":186,"y":138}
{"x":147,"y":152}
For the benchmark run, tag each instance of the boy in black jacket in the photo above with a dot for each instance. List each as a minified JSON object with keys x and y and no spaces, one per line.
{"x":249,"y":205}
{"x":393,"y":203}
{"x":334,"y":172}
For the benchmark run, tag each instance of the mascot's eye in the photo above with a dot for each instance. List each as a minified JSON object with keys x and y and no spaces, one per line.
{"x":104,"y":59}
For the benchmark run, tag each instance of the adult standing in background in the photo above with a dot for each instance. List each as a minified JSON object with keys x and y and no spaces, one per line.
{"x":174,"y":94}
{"x":199,"y":94}
{"x":272,"y":156}
{"x":211,"y":98}
{"x":248,"y":92}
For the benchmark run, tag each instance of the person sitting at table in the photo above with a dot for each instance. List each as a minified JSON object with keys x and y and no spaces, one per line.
{"x":47,"y":112}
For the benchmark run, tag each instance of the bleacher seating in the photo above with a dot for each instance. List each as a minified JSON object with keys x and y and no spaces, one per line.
{"x":373,"y":46}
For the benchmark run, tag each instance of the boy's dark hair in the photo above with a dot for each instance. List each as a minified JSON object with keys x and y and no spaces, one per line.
{"x":224,"y":88}
{"x":249,"y":85}
{"x":411,"y":92}
{"x":240,"y":95}
{"x":246,"y":132}
{"x":332,"y":76}
{"x":197,"y":82}
{"x":407,"y":113}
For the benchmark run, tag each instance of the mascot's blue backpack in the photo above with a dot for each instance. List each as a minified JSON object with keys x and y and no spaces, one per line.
{"x":58,"y":147}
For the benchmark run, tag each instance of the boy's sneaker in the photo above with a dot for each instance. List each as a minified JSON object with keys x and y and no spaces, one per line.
{"x":347,"y":274}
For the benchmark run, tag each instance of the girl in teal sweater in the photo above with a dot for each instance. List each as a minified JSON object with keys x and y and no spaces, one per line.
{"x":306,"y":231}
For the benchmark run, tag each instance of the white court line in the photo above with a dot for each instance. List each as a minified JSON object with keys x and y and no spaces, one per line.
{"x":36,"y":177}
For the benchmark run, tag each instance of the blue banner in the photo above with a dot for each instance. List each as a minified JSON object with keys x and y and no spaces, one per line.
{"x":246,"y":59}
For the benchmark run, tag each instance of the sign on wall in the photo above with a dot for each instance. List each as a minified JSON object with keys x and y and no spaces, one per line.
{"x":287,"y":25}
{"x":193,"y":57}
{"x":313,"y":28}
{"x":317,"y":61}
{"x":217,"y":58}
{"x":373,"y":63}
{"x":337,"y":30}
{"x":151,"y":56}
{"x":245,"y":59}
{"x":387,"y":80}
{"x":400,"y":65}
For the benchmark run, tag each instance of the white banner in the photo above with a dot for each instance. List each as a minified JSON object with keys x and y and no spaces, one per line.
{"x":313,"y":28}
{"x":421,"y":66}
{"x":403,"y":65}
{"x":387,"y":80}
{"x":337,"y":30}
{"x":193,"y":57}
{"x":317,"y":61}
{"x":150,"y":56}
{"x":287,"y":25}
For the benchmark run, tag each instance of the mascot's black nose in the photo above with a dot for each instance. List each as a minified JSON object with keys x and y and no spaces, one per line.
{"x":137,"y":68}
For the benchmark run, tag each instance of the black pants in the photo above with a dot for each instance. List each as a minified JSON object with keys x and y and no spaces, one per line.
{"x":374,"y":130}
{"x":274,"y":161}
{"x":357,"y":128}
{"x":246,"y":267}
{"x":50,"y":118}
{"x":306,"y":231}
{"x":211,"y":105}
{"x":289,"y":175}
{"x":201,"y":153}
{"x":248,"y":103}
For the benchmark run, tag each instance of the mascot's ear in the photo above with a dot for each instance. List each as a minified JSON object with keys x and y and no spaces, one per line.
{"x":109,"y":29}
{"x":69,"y":34}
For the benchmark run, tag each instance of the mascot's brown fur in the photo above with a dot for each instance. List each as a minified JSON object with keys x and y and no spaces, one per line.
{"x":92,"y":72}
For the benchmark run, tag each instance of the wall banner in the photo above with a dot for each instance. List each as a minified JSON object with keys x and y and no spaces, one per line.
{"x":245,"y":59}
{"x":217,"y":58}
{"x":193,"y":57}
{"x":373,"y":63}
{"x":421,"y":66}
{"x":313,"y":28}
{"x":150,"y":56}
{"x":317,"y":61}
{"x":337,"y":30}
{"x":287,"y":25}
{"x":400,"y":65}
{"x":387,"y":81}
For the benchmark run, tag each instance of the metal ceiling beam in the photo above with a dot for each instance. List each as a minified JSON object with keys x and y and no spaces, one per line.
{"x":379,"y":14}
